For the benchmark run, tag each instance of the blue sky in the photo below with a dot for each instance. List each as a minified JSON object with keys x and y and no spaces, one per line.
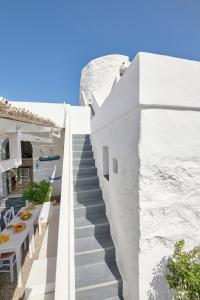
{"x":45,"y":43}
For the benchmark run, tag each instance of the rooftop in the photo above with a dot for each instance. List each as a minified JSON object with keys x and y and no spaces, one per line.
{"x":9,"y":111}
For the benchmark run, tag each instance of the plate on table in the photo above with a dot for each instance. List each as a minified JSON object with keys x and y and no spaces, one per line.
{"x":25,"y":215}
{"x":30,"y":206}
{"x":9,"y":226}
{"x":18,"y":227}
{"x":4,"y":238}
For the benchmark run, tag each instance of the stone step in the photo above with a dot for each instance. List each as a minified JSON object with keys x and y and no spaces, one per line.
{"x":115,"y":298}
{"x":83,"y":162}
{"x":98,"y":281}
{"x":85,"y":170}
{"x":86,"y":181}
{"x":82,"y":147}
{"x":79,"y":142}
{"x":89,"y":208}
{"x":82,"y":154}
{"x":88,"y":201}
{"x":80,"y":136}
{"x":85,"y":188}
{"x":94,"y":250}
{"x":91,"y":226}
{"x":93,"y":192}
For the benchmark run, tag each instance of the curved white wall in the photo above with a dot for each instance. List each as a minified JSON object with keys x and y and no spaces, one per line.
{"x":98,"y":73}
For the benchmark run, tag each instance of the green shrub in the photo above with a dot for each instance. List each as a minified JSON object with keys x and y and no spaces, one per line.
{"x":38,"y":192}
{"x":184,"y":272}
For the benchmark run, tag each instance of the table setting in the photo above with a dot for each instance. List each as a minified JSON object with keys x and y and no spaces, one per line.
{"x":16,"y":232}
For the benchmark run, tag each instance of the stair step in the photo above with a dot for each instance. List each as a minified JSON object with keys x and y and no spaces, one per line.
{"x":91,"y":226}
{"x":92,"y":208}
{"x":88,"y":202}
{"x":98,"y":281}
{"x":86,"y":181}
{"x":88,"y":193}
{"x":80,"y":142}
{"x":96,"y":272}
{"x":82,"y":147}
{"x":84,"y":170}
{"x":83,"y":162}
{"x":86,"y":188}
{"x":82,"y":154}
{"x":80,"y":136}
{"x":94,"y":250}
{"x":115,"y":298}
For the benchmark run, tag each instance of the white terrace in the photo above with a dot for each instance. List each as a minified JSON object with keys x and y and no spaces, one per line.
{"x":130,"y":177}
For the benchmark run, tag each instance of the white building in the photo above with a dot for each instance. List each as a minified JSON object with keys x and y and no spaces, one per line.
{"x":24,"y":143}
{"x":143,"y":127}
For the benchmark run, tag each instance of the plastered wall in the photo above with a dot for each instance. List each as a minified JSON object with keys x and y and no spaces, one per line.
{"x":150,"y":123}
{"x":116,"y":126}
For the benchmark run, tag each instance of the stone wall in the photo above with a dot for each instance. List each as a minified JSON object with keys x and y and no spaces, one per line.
{"x":45,"y":169}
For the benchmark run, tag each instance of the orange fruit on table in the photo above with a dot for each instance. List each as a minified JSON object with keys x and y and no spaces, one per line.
{"x":25,"y":215}
{"x":4,"y":238}
{"x":18,"y":227}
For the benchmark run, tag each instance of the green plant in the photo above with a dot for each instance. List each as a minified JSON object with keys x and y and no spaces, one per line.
{"x":38,"y":192}
{"x":184,"y":272}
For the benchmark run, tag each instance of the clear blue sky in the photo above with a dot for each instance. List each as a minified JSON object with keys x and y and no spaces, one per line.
{"x":45,"y":43}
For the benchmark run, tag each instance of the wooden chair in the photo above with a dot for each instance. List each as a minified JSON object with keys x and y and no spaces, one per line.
{"x":8,"y":216}
{"x":7,"y":263}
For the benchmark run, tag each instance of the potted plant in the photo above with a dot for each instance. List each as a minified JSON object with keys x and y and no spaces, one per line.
{"x":184,"y":272}
{"x":39,"y":193}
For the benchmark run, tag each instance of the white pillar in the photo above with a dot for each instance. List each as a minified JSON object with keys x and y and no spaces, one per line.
{"x":15,"y":146}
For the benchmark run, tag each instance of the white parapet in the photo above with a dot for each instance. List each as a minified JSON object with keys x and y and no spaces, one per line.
{"x":98,"y":73}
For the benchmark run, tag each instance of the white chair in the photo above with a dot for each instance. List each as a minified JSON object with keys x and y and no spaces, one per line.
{"x":7,"y":263}
{"x":8,"y":216}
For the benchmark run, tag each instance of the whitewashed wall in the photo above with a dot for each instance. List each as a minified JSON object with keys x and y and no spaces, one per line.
{"x":169,"y":80}
{"x":80,"y":119}
{"x":116,"y":125}
{"x":169,"y":192}
{"x":150,"y":122}
{"x":53,"y":111}
{"x":169,"y":152}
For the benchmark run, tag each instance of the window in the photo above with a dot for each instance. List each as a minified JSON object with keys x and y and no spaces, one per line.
{"x":115,"y":166}
{"x":106,"y":163}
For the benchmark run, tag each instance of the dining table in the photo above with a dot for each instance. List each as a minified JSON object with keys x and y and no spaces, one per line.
{"x":16,"y":239}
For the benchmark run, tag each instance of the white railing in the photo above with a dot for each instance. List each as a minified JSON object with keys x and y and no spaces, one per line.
{"x":65,"y":270}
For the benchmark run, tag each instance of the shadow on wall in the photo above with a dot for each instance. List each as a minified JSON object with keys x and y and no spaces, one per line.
{"x":159,"y":289}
